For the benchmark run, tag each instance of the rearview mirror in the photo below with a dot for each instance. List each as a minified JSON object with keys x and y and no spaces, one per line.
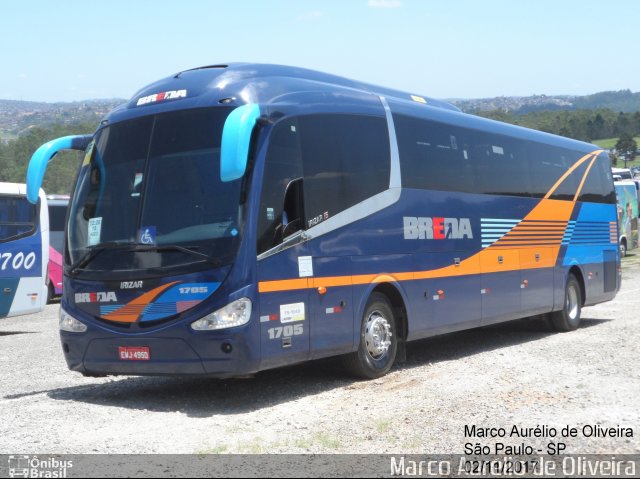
{"x":44,"y":154}
{"x":236,"y":137}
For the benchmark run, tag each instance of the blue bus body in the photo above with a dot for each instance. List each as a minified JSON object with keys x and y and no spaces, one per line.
{"x":24,"y":251}
{"x":438,"y":259}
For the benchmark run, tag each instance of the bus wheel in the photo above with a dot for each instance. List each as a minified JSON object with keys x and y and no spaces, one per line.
{"x":378,"y":340}
{"x":50,"y":293}
{"x":568,"y":318}
{"x":623,"y":248}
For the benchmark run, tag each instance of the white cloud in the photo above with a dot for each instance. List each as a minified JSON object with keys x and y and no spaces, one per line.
{"x":385,"y":3}
{"x":310,"y":16}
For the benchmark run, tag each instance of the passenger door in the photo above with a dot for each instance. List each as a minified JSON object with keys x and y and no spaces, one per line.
{"x":285,"y":311}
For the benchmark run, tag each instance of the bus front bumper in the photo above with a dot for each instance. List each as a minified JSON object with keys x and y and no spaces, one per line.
{"x":203,"y":355}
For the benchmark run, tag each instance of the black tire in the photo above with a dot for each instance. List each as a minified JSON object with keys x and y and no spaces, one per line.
{"x":378,"y":340}
{"x":50,"y":293}
{"x":568,"y":318}
{"x":623,"y":248}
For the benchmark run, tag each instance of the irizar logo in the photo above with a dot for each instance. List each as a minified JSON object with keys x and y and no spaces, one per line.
{"x":101,"y":297}
{"x":424,"y":227}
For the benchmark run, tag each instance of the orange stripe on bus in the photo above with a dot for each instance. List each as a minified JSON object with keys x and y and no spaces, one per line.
{"x":284,"y":285}
{"x":584,"y":178}
{"x":555,"y":213}
{"x":130,"y":312}
{"x":571,"y":170}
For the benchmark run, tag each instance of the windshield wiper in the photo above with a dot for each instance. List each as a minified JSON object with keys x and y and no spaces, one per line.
{"x":95,"y":251}
{"x":99,"y":248}
{"x":183,"y":249}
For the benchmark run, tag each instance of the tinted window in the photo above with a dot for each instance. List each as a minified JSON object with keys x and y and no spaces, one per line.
{"x":445,"y":157}
{"x":345,"y":161}
{"x":156,"y":180}
{"x":548,"y":165}
{"x":598,"y":187}
{"x":17,"y":217}
{"x":283,"y":164}
{"x":439,"y":156}
{"x":502,"y":166}
{"x":57,"y":217}
{"x":434,"y":155}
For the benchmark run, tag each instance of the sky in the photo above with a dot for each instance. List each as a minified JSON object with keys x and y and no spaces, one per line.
{"x":72,"y":50}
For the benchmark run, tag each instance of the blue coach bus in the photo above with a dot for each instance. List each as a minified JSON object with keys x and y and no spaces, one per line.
{"x":235,"y":218}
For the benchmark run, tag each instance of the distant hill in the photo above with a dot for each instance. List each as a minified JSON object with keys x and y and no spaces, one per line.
{"x":618,"y":101}
{"x":18,"y":117}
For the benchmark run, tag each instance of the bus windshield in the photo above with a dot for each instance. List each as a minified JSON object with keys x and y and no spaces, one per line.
{"x":155,"y":181}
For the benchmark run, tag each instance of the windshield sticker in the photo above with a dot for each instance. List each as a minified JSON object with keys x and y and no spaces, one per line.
{"x":162,"y":96}
{"x":290,"y":313}
{"x":147,"y":235}
{"x":270,"y":214}
{"x":95,"y":228}
{"x":137,"y":181}
{"x":88,"y":155}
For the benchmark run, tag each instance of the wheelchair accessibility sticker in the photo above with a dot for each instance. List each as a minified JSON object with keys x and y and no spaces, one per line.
{"x":147,"y":235}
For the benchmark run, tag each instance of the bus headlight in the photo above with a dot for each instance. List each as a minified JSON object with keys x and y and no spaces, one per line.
{"x":233,"y":314}
{"x":70,"y":324}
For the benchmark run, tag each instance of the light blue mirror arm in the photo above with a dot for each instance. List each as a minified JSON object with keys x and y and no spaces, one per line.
{"x":236,"y":136}
{"x":42,"y":156}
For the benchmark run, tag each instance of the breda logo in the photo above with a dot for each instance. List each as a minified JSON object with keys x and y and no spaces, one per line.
{"x":436,"y":228}
{"x":101,"y":297}
{"x":162,"y":96}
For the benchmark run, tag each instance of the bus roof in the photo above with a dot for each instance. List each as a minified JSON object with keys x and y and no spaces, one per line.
{"x":235,"y":84}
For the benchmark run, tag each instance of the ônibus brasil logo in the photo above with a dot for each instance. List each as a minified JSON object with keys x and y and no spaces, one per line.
{"x":436,"y":228}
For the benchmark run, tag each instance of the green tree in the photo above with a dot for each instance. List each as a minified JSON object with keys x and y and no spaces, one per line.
{"x":15,"y":156}
{"x":626,"y":147}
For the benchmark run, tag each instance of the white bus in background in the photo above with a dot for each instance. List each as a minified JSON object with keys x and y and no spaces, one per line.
{"x":627,"y":198}
{"x":24,"y":251}
{"x":623,"y":173}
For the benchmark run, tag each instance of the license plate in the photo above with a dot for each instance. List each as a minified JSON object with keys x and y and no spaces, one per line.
{"x":134,"y":353}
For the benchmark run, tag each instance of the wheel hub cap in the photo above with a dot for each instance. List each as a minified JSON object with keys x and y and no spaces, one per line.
{"x":377,"y":335}
{"x":572,"y":303}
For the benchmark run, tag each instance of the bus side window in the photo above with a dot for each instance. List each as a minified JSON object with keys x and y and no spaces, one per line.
{"x":504,"y":168}
{"x":598,"y":187}
{"x":17,"y":218}
{"x":435,"y":156}
{"x":345,"y":159}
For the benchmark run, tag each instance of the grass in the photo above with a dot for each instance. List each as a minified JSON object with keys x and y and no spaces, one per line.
{"x":214,"y":450}
{"x":324,"y":440}
{"x":383,"y":425}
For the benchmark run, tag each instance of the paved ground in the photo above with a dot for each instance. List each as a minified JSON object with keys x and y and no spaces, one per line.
{"x":515,"y":374}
